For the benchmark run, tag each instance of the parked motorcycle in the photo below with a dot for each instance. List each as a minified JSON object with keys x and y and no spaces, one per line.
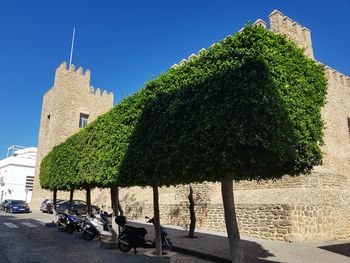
{"x":97,"y":226}
{"x":134,"y":237}
{"x":70,"y":223}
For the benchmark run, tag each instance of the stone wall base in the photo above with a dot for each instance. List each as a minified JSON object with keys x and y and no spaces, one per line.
{"x":308,"y":207}
{"x":299,"y":212}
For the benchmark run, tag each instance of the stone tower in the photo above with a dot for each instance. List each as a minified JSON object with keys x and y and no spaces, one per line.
{"x":68,"y":106}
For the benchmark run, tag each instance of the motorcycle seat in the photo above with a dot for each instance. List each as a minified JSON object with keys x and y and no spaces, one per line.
{"x":105,"y":217}
{"x":140,"y":231}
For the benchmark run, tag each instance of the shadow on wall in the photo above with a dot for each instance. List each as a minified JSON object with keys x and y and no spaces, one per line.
{"x":133,"y":208}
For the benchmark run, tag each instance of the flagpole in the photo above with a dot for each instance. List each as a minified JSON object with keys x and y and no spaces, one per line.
{"x":72,"y":47}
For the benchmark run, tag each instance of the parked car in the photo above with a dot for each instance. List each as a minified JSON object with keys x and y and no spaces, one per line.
{"x":17,"y":206}
{"x":4,"y":204}
{"x":78,"y":206}
{"x":47,"y":205}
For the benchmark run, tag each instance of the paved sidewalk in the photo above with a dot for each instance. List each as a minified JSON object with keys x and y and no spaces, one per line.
{"x":214,"y":246}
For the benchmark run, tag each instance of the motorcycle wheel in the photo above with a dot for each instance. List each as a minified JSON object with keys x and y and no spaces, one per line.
{"x":89,"y":235}
{"x":123,"y":244}
{"x":70,"y":228}
{"x":167,"y":245}
{"x":60,"y":225}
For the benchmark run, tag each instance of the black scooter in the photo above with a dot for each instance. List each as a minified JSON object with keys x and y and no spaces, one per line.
{"x":134,"y":237}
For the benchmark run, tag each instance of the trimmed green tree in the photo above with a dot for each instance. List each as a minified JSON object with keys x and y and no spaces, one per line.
{"x":246,"y":109}
{"x":59,"y":168}
{"x":92,"y":157}
{"x":105,"y":146}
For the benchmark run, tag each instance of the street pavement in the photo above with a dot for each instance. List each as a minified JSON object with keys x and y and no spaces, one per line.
{"x":23,"y":238}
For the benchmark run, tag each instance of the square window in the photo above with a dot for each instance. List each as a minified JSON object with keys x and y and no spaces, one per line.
{"x":83,"y":121}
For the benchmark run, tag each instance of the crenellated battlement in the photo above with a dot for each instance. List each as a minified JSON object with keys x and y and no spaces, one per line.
{"x":260,"y":22}
{"x":337,"y":76}
{"x":70,"y":77}
{"x":279,"y":23}
{"x":191,"y":57}
{"x":98,"y":92}
{"x":64,"y":70}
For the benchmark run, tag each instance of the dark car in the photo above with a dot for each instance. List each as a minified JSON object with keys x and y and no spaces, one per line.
{"x":17,"y":206}
{"x":4,"y":204}
{"x":47,"y":205}
{"x":78,"y":206}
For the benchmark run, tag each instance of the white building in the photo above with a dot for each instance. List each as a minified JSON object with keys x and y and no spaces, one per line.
{"x":17,"y":174}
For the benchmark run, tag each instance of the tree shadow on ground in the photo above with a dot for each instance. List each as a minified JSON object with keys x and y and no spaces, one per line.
{"x":342,"y":249}
{"x":212,"y":247}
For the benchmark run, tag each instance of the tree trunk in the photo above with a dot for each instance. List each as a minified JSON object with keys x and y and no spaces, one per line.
{"x":230,"y":218}
{"x":121,"y":211}
{"x":157,"y":220}
{"x":54,"y":200}
{"x":192,"y":214}
{"x":88,"y":200}
{"x":114,"y":203}
{"x":54,"y":203}
{"x":71,"y":193}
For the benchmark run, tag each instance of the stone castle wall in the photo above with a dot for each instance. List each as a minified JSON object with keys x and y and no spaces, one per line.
{"x":309,"y":207}
{"x":62,"y":105}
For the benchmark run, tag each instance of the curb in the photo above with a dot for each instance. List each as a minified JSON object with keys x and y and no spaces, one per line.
{"x":201,"y":255}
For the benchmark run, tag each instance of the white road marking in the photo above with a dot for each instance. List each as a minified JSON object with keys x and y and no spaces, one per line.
{"x":10,"y":225}
{"x":29,"y":224}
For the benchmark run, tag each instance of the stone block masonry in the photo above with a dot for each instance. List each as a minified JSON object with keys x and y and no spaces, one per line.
{"x":309,"y":207}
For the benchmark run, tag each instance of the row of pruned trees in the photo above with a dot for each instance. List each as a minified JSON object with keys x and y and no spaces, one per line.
{"x":246,"y":109}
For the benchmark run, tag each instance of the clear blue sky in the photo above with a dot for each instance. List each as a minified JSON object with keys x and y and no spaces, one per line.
{"x":126,"y":43}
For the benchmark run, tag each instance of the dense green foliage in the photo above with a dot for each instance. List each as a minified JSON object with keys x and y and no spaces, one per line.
{"x":248,"y":107}
{"x":92,"y":157}
{"x":59,"y":169}
{"x":107,"y":142}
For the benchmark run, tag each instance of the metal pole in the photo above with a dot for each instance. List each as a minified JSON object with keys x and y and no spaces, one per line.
{"x":71,"y":49}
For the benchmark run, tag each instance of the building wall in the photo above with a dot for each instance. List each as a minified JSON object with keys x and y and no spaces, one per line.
{"x":14,"y":171}
{"x":71,"y":95}
{"x":14,"y":187}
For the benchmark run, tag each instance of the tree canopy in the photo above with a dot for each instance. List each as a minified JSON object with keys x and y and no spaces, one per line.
{"x":248,"y":107}
{"x":92,"y":156}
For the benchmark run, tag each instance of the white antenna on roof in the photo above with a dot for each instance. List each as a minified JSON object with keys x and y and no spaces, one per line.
{"x":71,"y":49}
